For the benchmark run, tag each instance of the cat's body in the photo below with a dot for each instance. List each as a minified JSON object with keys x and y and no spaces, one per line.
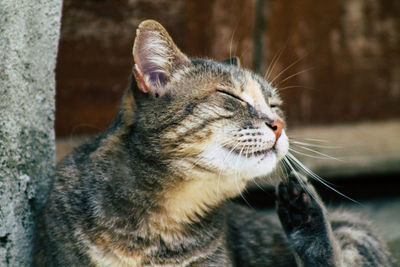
{"x":154,"y":189}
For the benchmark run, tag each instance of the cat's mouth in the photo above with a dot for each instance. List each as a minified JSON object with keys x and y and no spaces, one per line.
{"x":250,"y":148}
{"x":250,"y":153}
{"x":259,"y":144}
{"x":245,"y":157}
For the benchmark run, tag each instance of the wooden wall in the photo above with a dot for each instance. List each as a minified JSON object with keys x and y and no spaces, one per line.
{"x":336,"y":61}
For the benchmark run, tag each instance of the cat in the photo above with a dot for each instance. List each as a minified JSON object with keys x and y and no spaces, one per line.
{"x":154,"y":189}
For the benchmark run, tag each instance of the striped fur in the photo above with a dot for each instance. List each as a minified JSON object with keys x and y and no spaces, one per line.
{"x":154,"y":188}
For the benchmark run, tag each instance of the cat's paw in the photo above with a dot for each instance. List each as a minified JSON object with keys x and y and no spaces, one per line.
{"x":303,"y":218}
{"x":298,"y":206}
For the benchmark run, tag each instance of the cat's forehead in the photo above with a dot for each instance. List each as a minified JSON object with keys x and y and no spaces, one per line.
{"x":252,"y":89}
{"x":236,"y":78}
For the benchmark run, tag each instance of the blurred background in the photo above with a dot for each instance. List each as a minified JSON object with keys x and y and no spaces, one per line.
{"x":336,"y":63}
{"x":341,"y":58}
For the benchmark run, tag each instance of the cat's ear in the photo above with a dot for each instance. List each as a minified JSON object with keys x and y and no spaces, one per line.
{"x":235,"y":61}
{"x":156,"y":58}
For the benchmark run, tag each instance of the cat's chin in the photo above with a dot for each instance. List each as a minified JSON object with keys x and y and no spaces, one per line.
{"x":247,"y":167}
{"x":282,"y":146}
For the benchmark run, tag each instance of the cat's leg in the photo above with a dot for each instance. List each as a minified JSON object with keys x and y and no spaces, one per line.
{"x":359,"y":245}
{"x":342,"y":240}
{"x":304,"y":220}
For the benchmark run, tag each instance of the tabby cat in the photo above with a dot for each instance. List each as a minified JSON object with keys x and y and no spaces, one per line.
{"x":154,"y":189}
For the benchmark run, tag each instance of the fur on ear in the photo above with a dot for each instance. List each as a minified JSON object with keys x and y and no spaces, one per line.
{"x":232,"y":61}
{"x":156,"y":58}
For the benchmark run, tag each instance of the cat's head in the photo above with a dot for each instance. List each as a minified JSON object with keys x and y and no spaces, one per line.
{"x":203,"y":116}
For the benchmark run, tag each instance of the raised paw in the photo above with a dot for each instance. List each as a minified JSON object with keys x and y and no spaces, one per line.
{"x":303,"y":218}
{"x":298,"y":206}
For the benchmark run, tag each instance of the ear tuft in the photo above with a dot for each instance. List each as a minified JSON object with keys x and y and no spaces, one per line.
{"x":235,"y":61}
{"x":156,"y":57}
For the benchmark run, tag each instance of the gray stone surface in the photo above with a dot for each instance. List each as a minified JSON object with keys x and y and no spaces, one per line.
{"x":29,"y":32}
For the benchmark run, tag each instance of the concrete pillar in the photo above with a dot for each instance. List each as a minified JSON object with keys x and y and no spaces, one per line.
{"x":29,"y":32}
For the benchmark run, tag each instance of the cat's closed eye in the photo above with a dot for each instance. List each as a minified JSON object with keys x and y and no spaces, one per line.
{"x":230,"y":94}
{"x":275,"y":103}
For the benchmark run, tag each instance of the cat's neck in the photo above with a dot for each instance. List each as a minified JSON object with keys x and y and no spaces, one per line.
{"x":196,"y":193}
{"x":181,"y":194}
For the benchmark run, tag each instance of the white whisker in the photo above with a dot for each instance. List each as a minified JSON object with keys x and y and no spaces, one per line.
{"x":293,"y":86}
{"x":301,"y":181}
{"x":237,"y":176}
{"x":312,"y":145}
{"x":221,"y":169}
{"x":315,"y":140}
{"x":293,"y":75}
{"x":316,"y":177}
{"x":320,"y":153}
{"x":304,"y":168}
{"x":212,"y":153}
{"x":274,"y":61}
{"x":285,"y":69}
{"x":255,"y":182}
{"x":307,"y":155}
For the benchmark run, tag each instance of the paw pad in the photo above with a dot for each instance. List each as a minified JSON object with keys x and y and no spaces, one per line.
{"x":297,"y":207}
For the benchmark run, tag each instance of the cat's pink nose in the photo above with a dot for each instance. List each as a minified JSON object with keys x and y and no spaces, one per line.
{"x":277,"y":126}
